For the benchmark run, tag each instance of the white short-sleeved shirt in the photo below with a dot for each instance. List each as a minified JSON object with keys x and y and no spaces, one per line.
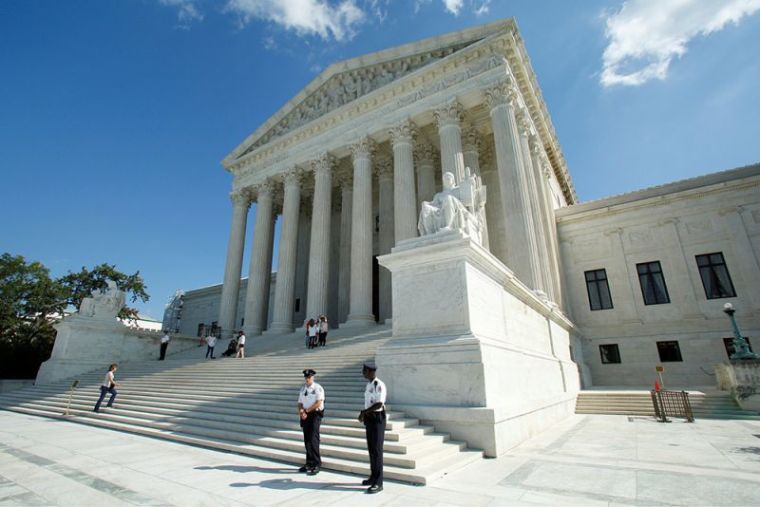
{"x":108,"y":379}
{"x":211,"y":341}
{"x":241,"y":339}
{"x":375,"y":392}
{"x":309,"y":395}
{"x":165,"y":338}
{"x":313,"y":330}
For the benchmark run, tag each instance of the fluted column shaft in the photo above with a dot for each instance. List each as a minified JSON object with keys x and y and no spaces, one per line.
{"x":450,"y":133}
{"x":387,"y":211}
{"x":361,"y":236}
{"x":404,"y":198}
{"x":231,"y":288}
{"x":261,"y":261}
{"x":536,"y":210}
{"x":497,"y":238}
{"x":282,"y":319}
{"x":319,"y":251}
{"x":522,"y":255}
{"x":344,"y":276}
{"x":425,"y":173}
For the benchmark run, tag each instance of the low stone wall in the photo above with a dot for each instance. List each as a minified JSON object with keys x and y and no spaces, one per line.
{"x":11,"y":384}
{"x":742,"y":378}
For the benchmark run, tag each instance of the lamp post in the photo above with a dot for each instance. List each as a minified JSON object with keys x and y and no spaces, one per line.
{"x":741,"y":349}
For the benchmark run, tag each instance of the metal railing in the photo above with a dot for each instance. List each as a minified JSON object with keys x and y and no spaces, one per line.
{"x":673,"y":404}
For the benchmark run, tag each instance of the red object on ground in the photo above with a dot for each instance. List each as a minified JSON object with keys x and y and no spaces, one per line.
{"x":657,"y":386}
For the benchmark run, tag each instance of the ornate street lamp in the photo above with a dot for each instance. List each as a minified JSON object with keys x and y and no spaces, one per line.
{"x":741,"y":348}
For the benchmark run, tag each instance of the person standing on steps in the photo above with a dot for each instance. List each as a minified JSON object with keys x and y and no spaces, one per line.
{"x":322,"y":330}
{"x":108,"y":386}
{"x":373,"y":416}
{"x":165,"y":339}
{"x":311,"y":409}
{"x":313,"y":330}
{"x":210,"y":344}
{"x":241,"y":345}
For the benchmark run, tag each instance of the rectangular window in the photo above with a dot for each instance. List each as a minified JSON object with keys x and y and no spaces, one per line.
{"x":729,"y":344}
{"x":652,"y":283}
{"x":670,"y":351}
{"x":598,"y":290}
{"x":715,"y":277}
{"x":610,"y":353}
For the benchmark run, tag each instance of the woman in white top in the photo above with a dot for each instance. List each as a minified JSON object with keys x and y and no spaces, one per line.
{"x":322,"y":330}
{"x":312,"y":329}
{"x":108,"y":386}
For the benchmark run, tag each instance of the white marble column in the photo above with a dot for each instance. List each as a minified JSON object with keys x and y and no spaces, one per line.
{"x":471,"y":154}
{"x":536,"y":210}
{"x":448,"y":118}
{"x":270,"y":255}
{"x":522,"y":255}
{"x":258,"y":274}
{"x":229,"y":301}
{"x":385,"y":240}
{"x":319,"y":258}
{"x":404,"y":198}
{"x":282,"y":320}
{"x":344,"y":277}
{"x":425,"y":155}
{"x":360,"y":312}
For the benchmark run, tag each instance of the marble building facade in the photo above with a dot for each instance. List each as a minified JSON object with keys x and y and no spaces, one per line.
{"x":345,"y":164}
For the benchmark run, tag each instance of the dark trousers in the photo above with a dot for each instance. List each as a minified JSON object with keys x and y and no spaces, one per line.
{"x":210,"y":351}
{"x":310,"y":427}
{"x":163,"y":351}
{"x":375,"y":426}
{"x":323,"y":339}
{"x":103,"y":391}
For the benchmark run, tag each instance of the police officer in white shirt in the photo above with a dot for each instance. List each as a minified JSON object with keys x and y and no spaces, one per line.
{"x":311,"y":406}
{"x":373,"y":416}
{"x":165,"y":339}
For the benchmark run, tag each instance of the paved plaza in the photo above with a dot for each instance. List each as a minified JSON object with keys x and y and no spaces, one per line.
{"x":586,"y":460}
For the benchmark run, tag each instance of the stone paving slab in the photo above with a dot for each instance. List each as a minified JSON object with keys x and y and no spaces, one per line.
{"x":586,"y":460}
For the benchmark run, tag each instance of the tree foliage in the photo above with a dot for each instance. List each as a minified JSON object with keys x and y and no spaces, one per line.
{"x":31,"y":302}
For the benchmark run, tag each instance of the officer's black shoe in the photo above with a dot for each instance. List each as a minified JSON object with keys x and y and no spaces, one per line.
{"x":374,"y":489}
{"x":313,"y":471}
{"x":303,"y":469}
{"x":366,"y":482}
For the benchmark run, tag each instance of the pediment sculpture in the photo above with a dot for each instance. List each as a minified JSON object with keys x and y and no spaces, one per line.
{"x":456,"y":207}
{"x":103,"y":304}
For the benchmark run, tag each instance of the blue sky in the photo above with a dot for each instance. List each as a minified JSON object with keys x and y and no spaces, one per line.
{"x":115,"y":114}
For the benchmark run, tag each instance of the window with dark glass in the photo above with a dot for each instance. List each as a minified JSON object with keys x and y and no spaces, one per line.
{"x":652,"y":283}
{"x":669,"y":351}
{"x":598,"y":290}
{"x":610,"y":353}
{"x":729,"y":344}
{"x":715,"y":277}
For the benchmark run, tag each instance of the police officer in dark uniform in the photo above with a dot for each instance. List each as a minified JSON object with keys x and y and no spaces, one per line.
{"x":311,"y":406}
{"x":373,"y":416}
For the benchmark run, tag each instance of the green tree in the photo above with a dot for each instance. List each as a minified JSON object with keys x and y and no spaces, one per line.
{"x":31,"y":302}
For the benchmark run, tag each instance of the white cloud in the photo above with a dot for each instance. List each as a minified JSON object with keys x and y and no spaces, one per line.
{"x":305,"y":17}
{"x":187,"y":13}
{"x":645,"y":35}
{"x":482,"y":9}
{"x":453,"y":6}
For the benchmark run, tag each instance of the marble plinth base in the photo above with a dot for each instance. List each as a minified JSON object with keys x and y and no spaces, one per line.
{"x":355,"y":321}
{"x":742,"y":378}
{"x":277,"y":328}
{"x":474,"y":352}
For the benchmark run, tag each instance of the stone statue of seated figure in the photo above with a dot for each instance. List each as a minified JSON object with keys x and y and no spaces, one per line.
{"x":455,"y":208}
{"x":104,"y":304}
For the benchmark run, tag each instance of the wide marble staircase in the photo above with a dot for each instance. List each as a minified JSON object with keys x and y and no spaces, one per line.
{"x":248,"y":406}
{"x":705,"y":404}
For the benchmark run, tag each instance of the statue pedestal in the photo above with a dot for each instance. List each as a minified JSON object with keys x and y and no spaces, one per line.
{"x":742,"y":378}
{"x":474,"y":351}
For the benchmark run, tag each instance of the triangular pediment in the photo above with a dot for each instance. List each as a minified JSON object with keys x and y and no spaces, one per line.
{"x":344,"y":82}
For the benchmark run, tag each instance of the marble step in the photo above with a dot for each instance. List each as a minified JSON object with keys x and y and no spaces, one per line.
{"x":421,"y":475}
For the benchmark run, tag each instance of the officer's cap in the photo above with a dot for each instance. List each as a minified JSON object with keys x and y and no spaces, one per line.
{"x":309,"y":373}
{"x":370,"y":365}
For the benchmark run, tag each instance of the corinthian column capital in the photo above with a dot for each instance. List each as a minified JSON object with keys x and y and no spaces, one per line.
{"x":241,"y":198}
{"x":384,"y":167}
{"x":264,"y":190}
{"x":292,"y":176}
{"x":502,"y":93}
{"x":363,"y":148}
{"x":470,"y":139}
{"x":449,"y":113}
{"x":524,"y":124}
{"x":324,"y":163}
{"x":404,"y":132}
{"x":424,"y":152}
